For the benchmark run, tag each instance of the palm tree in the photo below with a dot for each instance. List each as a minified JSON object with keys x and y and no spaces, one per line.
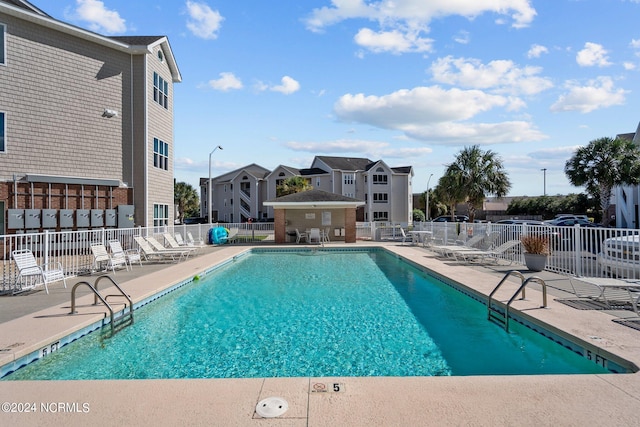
{"x":449,"y":193}
{"x":603,"y":164}
{"x":185,"y":196}
{"x":478,"y":174}
{"x":293,"y":184}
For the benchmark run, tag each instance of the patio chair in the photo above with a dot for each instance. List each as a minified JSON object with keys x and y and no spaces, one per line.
{"x":607,"y":289}
{"x":173,"y":244}
{"x":300,"y":236}
{"x":314,"y":236}
{"x":131,"y":255}
{"x":28,"y":268}
{"x":406,"y":237}
{"x":494,"y":254}
{"x":232,"y":235}
{"x":102,"y":257}
{"x":470,"y":244}
{"x":150,"y":253}
{"x":192,"y":241}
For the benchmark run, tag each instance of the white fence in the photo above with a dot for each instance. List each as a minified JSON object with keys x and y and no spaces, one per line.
{"x":72,"y":249}
{"x":583,"y":251}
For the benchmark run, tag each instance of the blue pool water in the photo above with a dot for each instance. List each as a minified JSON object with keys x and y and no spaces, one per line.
{"x":310,"y":314}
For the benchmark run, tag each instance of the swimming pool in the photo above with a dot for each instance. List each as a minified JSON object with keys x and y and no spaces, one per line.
{"x":311,"y":313}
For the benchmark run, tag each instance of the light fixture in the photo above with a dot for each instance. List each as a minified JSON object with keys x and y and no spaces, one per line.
{"x":109,"y":113}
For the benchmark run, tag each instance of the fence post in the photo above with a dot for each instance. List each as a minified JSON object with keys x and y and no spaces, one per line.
{"x":46,"y":247}
{"x":577,"y":250}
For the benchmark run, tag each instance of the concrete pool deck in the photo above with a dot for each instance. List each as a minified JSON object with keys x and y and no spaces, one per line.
{"x":32,"y":322}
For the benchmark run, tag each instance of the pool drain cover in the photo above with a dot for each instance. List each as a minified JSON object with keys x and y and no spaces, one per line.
{"x":272,"y":407}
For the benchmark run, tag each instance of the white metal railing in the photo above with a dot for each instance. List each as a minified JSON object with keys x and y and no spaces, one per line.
{"x":72,"y":249}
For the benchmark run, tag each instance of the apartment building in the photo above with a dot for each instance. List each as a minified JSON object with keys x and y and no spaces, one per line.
{"x":386,"y":191}
{"x":86,"y":124}
{"x":626,"y":198}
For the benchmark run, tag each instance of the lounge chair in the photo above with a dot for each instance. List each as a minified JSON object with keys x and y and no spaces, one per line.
{"x":102,"y":258}
{"x":173,"y":244}
{"x":470,"y":244}
{"x":494,"y":254}
{"x":28,"y":268}
{"x":150,"y":253}
{"x":406,"y":237}
{"x":232,"y":235}
{"x":300,"y":236}
{"x":606,"y":289}
{"x":192,"y":241}
{"x":159,"y":247}
{"x":131,"y":255}
{"x":314,"y":236}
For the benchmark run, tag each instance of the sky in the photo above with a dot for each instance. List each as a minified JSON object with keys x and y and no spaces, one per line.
{"x":411,"y":82}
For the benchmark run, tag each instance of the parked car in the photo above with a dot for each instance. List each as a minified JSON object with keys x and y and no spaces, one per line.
{"x":620,"y":256}
{"x":566,"y":235}
{"x":567,"y":217}
{"x":447,"y":218}
{"x":511,"y":229}
{"x":195,"y":220}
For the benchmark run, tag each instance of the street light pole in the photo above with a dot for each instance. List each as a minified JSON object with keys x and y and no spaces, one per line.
{"x":427,"y":204}
{"x":544,"y":181}
{"x":209,"y":188}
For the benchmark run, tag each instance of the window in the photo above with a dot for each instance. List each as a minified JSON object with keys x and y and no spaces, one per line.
{"x":160,"y":215}
{"x":348,"y":179}
{"x":160,"y":154}
{"x":3,"y":145}
{"x":380,"y":216}
{"x":380,"y":197}
{"x":379,"y":179}
{"x":3,"y":45}
{"x":160,"y":56}
{"x":160,"y":90}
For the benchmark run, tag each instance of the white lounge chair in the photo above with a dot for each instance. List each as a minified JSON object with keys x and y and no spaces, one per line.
{"x":192,"y":241}
{"x":606,"y":289}
{"x":494,"y":254}
{"x":406,"y":237}
{"x":131,"y":255}
{"x":150,"y":253}
{"x":173,"y":244}
{"x":28,"y":268}
{"x":102,"y":258}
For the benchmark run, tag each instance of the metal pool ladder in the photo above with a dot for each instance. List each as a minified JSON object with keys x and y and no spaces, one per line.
{"x":117,"y":322}
{"x":502,"y":316}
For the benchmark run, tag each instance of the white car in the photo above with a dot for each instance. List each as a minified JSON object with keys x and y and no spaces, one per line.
{"x":620,"y":256}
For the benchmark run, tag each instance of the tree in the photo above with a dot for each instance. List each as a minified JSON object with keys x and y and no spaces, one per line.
{"x":293,"y":184}
{"x":418,"y":215}
{"x":602,"y":164}
{"x":478,"y":174}
{"x":449,"y":193}
{"x":185,"y":196}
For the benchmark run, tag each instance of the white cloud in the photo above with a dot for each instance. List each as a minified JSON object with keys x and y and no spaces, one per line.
{"x":418,"y":11}
{"x":436,"y":115}
{"x":462,"y":37}
{"x":226,"y":82}
{"x":392,"y":41}
{"x":287,"y":87}
{"x":536,"y":50}
{"x":371,"y":149}
{"x":402,"y":22}
{"x":592,"y":54}
{"x":203,"y":22}
{"x":97,"y":16}
{"x":597,"y":94}
{"x":635,"y":44}
{"x":501,"y":76}
{"x":629,"y":66}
